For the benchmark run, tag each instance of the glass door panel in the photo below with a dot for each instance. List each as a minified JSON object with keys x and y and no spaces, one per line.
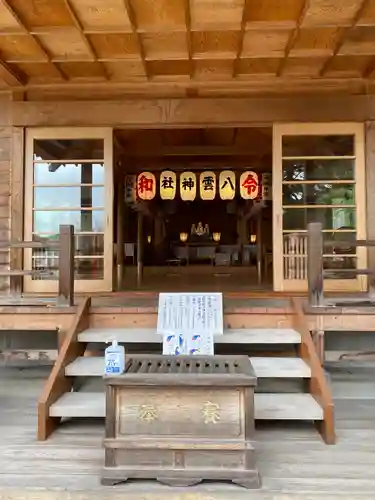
{"x":69,"y":181}
{"x":318,"y":174}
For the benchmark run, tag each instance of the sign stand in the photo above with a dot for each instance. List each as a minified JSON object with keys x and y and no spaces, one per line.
{"x":189,"y":321}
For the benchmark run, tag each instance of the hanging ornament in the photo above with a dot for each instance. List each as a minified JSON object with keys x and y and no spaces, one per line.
{"x":168,"y":184}
{"x":227,"y":185}
{"x":207,"y":185}
{"x":188,"y":186}
{"x":146,"y":186}
{"x":249,"y":185}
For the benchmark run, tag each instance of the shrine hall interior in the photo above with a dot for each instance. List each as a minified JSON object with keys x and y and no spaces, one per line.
{"x":202,"y":240}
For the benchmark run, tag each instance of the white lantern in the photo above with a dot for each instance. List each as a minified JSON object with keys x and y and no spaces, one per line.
{"x":146,"y":186}
{"x":130,"y":188}
{"x":168,"y":184}
{"x":227,"y":185}
{"x":249,"y":185}
{"x":188,"y":186}
{"x":266,"y":186}
{"x":207,"y":185}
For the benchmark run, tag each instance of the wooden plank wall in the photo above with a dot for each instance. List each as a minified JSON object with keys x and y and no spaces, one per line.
{"x":370,"y":187}
{"x":5,"y":182}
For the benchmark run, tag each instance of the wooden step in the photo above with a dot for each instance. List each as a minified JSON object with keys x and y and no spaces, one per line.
{"x":265,"y":367}
{"x":299,"y":406}
{"x":149,"y":336}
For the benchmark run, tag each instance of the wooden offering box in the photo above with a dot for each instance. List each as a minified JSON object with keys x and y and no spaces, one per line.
{"x":180,"y":420}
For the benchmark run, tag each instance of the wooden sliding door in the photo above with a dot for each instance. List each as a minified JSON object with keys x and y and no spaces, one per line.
{"x":68,"y":180}
{"x":318,"y":176}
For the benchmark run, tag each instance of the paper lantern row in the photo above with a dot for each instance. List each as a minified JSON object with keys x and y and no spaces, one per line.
{"x":251,"y":185}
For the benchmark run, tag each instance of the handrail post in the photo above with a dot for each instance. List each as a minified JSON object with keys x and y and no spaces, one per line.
{"x":66,"y":266}
{"x":315,"y":264}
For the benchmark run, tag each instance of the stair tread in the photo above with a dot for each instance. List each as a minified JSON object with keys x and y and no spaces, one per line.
{"x":268,"y":406}
{"x":270,"y":367}
{"x":230,"y":336}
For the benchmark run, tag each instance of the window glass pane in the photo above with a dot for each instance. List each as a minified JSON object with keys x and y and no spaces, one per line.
{"x":340,"y":249}
{"x":318,"y":194}
{"x":68,"y":149}
{"x":69,"y":197}
{"x":89,"y":244}
{"x":68,"y":173}
{"x":84,"y":269}
{"x":340,"y":262}
{"x":85,"y":244}
{"x":318,"y":170}
{"x":318,"y":145}
{"x":331,"y":218}
{"x":82,"y":220}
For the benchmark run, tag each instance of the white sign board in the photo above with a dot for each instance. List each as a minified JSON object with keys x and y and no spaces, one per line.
{"x":189,"y":321}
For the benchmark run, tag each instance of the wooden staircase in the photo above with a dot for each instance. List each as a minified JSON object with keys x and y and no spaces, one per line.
{"x":291,"y":381}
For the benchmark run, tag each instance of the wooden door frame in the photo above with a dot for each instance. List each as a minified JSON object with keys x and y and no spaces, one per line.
{"x":105,"y":133}
{"x":339,"y":128}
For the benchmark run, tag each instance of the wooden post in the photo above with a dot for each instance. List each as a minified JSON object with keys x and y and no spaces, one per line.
{"x":315,"y":264}
{"x":259,"y":246}
{"x":120,"y":257}
{"x":66,"y":266}
{"x":140,"y":249}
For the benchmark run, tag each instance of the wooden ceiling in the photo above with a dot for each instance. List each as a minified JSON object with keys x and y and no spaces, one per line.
{"x":189,"y":46}
{"x":194,"y":147}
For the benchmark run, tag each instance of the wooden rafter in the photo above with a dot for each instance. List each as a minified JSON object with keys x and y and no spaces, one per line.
{"x":134,"y":25}
{"x":11,"y":77}
{"x":344,"y":33}
{"x":241,"y":38}
{"x":369,"y":71}
{"x":25,"y":29}
{"x":85,"y":38}
{"x":188,"y":36}
{"x":293,"y":37}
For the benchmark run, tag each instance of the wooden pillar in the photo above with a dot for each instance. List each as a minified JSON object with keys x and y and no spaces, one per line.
{"x":370,"y":194}
{"x":16,"y":187}
{"x":66,"y":266}
{"x":120,"y":254}
{"x":140,"y":249}
{"x":315,"y":263}
{"x":259,"y":247}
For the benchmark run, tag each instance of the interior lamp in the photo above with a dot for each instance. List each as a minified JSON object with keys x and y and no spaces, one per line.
{"x":253,"y":238}
{"x":183,"y":237}
{"x":216,"y":237}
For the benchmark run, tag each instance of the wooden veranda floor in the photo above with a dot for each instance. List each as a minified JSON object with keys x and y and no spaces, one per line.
{"x":293,"y":461}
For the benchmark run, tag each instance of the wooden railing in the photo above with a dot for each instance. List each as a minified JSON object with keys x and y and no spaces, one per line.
{"x":318,"y":385}
{"x":65,"y":246}
{"x":58,"y":383}
{"x":315,"y":254}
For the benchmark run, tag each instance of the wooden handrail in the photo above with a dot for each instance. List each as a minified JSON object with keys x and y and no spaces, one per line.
{"x":315,"y":254}
{"x":318,"y":384}
{"x":65,"y":247}
{"x":57,"y":383}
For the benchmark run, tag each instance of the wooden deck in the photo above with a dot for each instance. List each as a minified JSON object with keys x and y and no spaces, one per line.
{"x":293,"y":461}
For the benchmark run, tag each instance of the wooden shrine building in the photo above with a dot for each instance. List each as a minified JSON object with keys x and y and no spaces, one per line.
{"x":188,"y":145}
{"x":94,"y":96}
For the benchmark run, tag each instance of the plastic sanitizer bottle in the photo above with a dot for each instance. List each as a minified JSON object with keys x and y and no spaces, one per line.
{"x":114,"y":357}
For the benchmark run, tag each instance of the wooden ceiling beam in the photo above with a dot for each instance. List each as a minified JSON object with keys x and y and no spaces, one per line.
{"x":293,"y":37}
{"x":342,"y":36}
{"x":194,"y":113}
{"x":241,"y":38}
{"x":134,"y":26}
{"x":188,"y":37}
{"x":26,"y":30}
{"x":11,"y":77}
{"x":85,"y":38}
{"x":184,"y":151}
{"x":369,"y":71}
